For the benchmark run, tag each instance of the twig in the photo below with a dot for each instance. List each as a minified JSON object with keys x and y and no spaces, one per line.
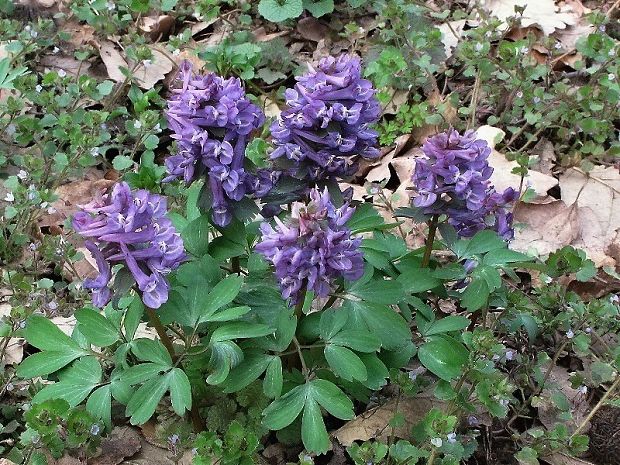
{"x":600,"y":403}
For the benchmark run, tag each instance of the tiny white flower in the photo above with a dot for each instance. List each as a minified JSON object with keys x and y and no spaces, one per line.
{"x":94,"y":430}
{"x":62,"y":73}
{"x":451,"y":438}
{"x":32,"y":246}
{"x":504,"y":402}
{"x":10,"y":129}
{"x":9,"y":197}
{"x":570,"y":334}
{"x":602,"y":28}
{"x":437,"y":442}
{"x":509,"y":355}
{"x":10,"y":387}
{"x":524,"y":50}
{"x":51,"y":210}
{"x":519,"y":94}
{"x":583,"y":390}
{"x":488,"y":34}
{"x":22,"y":324}
{"x":44,"y":204}
{"x":611,"y":53}
{"x":176,"y":52}
{"x":137,"y":124}
{"x":588,"y":330}
{"x":611,"y":76}
{"x":55,"y":50}
{"x":614,"y":299}
{"x":22,"y":174}
{"x":111,"y":6}
{"x":27,"y":28}
{"x":52,"y":305}
{"x":548,"y":280}
{"x":94,"y":151}
{"x":157,"y":128}
{"x":147,"y":63}
{"x":495,"y":358}
{"x":536,"y":99}
{"x":558,"y":45}
{"x":38,"y":88}
{"x":479,"y":47}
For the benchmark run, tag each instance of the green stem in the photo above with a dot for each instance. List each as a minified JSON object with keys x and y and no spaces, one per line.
{"x":432,"y":229}
{"x":161,"y":331}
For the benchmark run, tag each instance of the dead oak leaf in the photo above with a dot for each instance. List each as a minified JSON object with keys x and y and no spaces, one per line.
{"x":542,"y":13}
{"x":147,"y":73}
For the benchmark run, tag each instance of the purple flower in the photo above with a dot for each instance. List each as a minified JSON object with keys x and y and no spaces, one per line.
{"x":130,"y":227}
{"x":327,"y":123}
{"x":313,"y":249}
{"x":211,"y":118}
{"x":454,"y":180}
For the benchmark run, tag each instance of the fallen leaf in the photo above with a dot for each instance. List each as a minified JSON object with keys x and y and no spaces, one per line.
{"x":6,"y":462}
{"x":156,"y":26}
{"x":545,"y":227}
{"x":312,"y":29}
{"x":122,"y":442}
{"x":545,"y":152}
{"x":559,"y":458}
{"x":65,"y":324}
{"x":451,"y":33}
{"x":79,"y":34}
{"x":503,"y":177}
{"x":66,"y":63}
{"x":542,"y":13}
{"x":398,"y":97}
{"x":597,"y":194}
{"x":548,"y":414}
{"x":147,"y":73}
{"x":71,"y":196}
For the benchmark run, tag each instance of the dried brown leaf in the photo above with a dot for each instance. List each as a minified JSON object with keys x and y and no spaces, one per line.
{"x":122,"y":442}
{"x":156,"y":26}
{"x":312,"y":29}
{"x":542,"y":13}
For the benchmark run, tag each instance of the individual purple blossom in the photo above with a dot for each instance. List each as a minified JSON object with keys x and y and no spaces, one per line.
{"x":313,"y":249}
{"x":130,"y":227}
{"x":453,"y":179}
{"x":211,"y":119}
{"x":326,"y":125}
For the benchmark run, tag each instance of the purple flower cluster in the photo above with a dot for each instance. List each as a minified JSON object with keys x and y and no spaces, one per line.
{"x":313,"y":249}
{"x":211,"y":118}
{"x":454,"y":179}
{"x":130,"y":227}
{"x":327,"y":122}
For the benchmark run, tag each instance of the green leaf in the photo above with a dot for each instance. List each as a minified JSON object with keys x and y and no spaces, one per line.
{"x":97,"y":329}
{"x":76,"y":382}
{"x":332,"y":399}
{"x":44,"y":363}
{"x":475,"y":295}
{"x":382,"y":321}
{"x":417,"y":280}
{"x":272,"y":384}
{"x":361,"y":341}
{"x":379,"y":291}
{"x":133,"y":315}
{"x":144,"y":401}
{"x":280,"y":10}
{"x":196,"y":236}
{"x":45,"y":335}
{"x":345,"y":363}
{"x":499,"y":257}
{"x":122,"y":162}
{"x":332,"y":321}
{"x":142,"y":372}
{"x":443,"y":356}
{"x":105,"y":87}
{"x":99,"y":404}
{"x":447,"y":324}
{"x":313,"y":432}
{"x":222,"y":294}
{"x":252,"y":366}
{"x":484,"y":241}
{"x":318,"y":8}
{"x":180,"y":391}
{"x":239,"y":329}
{"x":377,"y":371}
{"x":150,"y":350}
{"x":283,"y":411}
{"x":224,"y":356}
{"x":229,"y":314}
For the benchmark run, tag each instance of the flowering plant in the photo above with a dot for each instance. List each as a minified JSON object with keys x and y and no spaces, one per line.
{"x":327,"y":123}
{"x":454,"y":180}
{"x":211,"y":119}
{"x":130,"y":227}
